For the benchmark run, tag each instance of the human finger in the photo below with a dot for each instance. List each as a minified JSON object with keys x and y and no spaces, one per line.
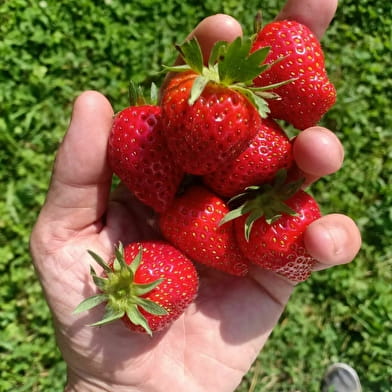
{"x":332,"y":240}
{"x":315,"y":14}
{"x":81,"y":178}
{"x":219,"y":27}
{"x":317,"y":152}
{"x":214,"y":28}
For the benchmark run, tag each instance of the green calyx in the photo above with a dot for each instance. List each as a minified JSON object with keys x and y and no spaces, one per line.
{"x":138,"y":97}
{"x":266,"y":201}
{"x":120,"y":292}
{"x":257,"y":22}
{"x":231,"y":65}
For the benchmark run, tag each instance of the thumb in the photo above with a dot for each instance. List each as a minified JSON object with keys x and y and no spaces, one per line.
{"x":81,"y":179}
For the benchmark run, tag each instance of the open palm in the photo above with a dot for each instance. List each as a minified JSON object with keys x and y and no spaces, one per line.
{"x":213,"y":344}
{"x":221,"y":333}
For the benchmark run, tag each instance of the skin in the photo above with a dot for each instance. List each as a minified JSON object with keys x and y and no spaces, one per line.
{"x":224,"y":330}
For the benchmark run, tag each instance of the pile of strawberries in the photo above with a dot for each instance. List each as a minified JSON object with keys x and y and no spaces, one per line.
{"x":215,"y":166}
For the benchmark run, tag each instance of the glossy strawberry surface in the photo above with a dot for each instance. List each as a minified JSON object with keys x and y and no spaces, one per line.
{"x":137,"y":153}
{"x":211,"y":131}
{"x":269,"y":151}
{"x":192,"y":225}
{"x":147,"y":285}
{"x":179,"y":285}
{"x":279,"y":246}
{"x":306,"y":99}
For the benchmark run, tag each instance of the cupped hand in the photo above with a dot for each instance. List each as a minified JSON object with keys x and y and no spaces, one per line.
{"x":214,"y":343}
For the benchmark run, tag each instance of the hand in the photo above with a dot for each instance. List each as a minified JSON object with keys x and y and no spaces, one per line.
{"x":214,"y":343}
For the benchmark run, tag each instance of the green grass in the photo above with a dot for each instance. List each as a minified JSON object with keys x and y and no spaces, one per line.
{"x":50,"y":51}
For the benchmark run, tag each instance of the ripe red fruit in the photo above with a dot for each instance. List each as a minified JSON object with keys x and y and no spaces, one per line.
{"x":269,"y":151}
{"x":215,"y":129}
{"x":191,"y":224}
{"x":295,"y":53}
{"x":148,"y":285}
{"x":279,"y":246}
{"x":209,"y":112}
{"x":138,"y":155}
{"x":270,"y":228}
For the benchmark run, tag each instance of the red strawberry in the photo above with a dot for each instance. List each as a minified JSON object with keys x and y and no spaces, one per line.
{"x":295,"y":53}
{"x":268,"y":152}
{"x":148,"y":285}
{"x":270,"y":229}
{"x":192,"y":225}
{"x":138,"y":155}
{"x":209,"y":112}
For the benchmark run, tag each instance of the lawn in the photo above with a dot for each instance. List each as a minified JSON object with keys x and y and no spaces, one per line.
{"x":50,"y":51}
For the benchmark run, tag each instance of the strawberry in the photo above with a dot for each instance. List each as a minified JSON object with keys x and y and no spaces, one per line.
{"x":138,"y":155}
{"x":268,"y":152}
{"x":270,"y":228}
{"x":295,"y":53}
{"x":191,"y":224}
{"x":210,"y":113}
{"x":148,"y":285}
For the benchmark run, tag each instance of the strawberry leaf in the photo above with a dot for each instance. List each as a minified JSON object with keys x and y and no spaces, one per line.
{"x":238,"y":66}
{"x":250,"y":220}
{"x":154,"y":93}
{"x":177,"y":68}
{"x":191,"y":53}
{"x":136,"y":94}
{"x":144,"y":288}
{"x":258,"y":22}
{"x":273,"y":86}
{"x":137,"y":318}
{"x":109,"y":316}
{"x":151,"y":307}
{"x":119,"y":252}
{"x":197,"y":88}
{"x":98,"y":281}
{"x":90,"y":303}
{"x":258,"y":102}
{"x":136,"y":261}
{"x":122,"y":294}
{"x":100,"y":261}
{"x":267,"y":201}
{"x":116,"y":265}
{"x":234,"y":214}
{"x":231,"y":65}
{"x":284,"y":208}
{"x":217,"y":53}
